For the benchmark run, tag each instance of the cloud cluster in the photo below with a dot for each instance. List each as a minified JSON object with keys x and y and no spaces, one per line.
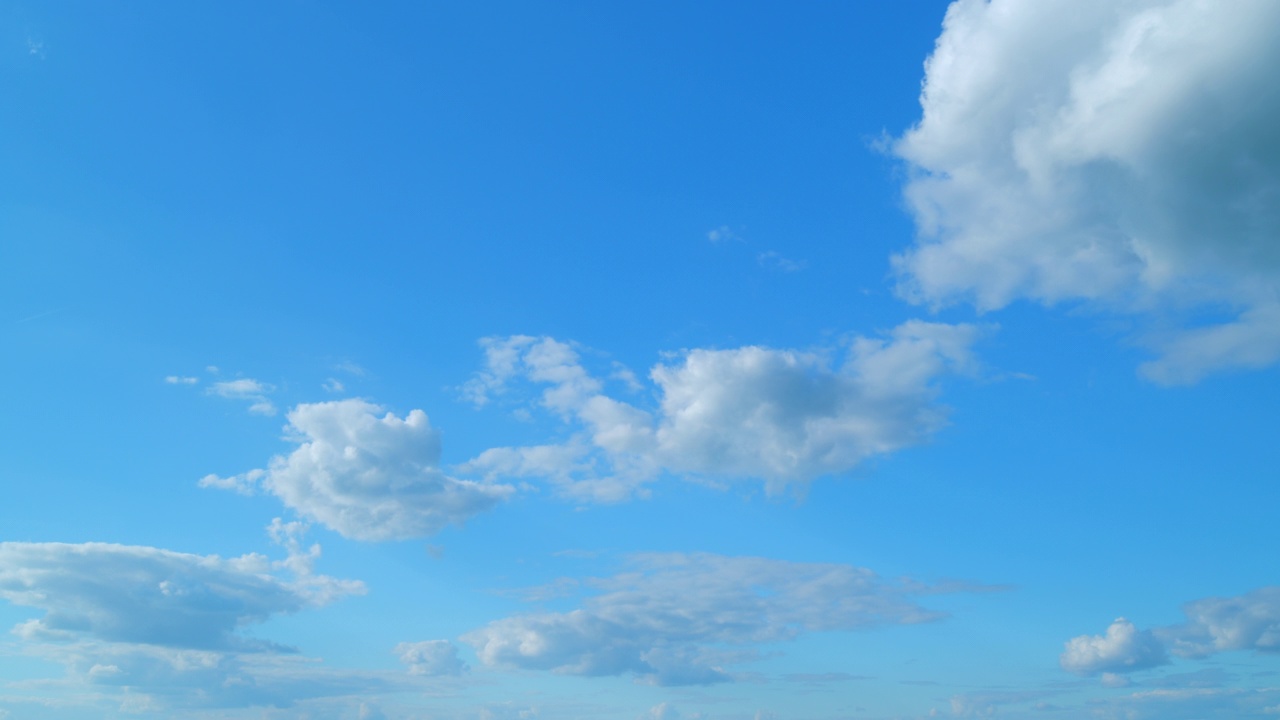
{"x":366,"y":473}
{"x":1117,"y":153}
{"x":678,"y":619}
{"x":751,"y":412}
{"x":1246,"y":622}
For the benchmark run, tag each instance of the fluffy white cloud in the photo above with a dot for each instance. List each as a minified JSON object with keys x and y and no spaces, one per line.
{"x":367,"y":474}
{"x":1124,"y":648}
{"x":752,"y":412}
{"x":431,"y":657}
{"x":144,"y":595}
{"x":678,"y":619}
{"x":1123,"y":153}
{"x":1246,"y":622}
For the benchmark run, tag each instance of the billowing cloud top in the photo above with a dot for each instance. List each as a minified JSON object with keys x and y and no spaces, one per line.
{"x":367,"y":474}
{"x":1118,"y":152}
{"x":751,"y":412}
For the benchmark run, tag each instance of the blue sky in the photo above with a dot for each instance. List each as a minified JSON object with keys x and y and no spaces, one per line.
{"x":710,"y":361}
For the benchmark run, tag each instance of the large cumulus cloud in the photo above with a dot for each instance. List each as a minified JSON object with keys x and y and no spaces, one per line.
{"x":1121,"y":153}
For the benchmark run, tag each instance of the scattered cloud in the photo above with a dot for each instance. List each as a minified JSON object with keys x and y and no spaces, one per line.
{"x":1121,"y":154}
{"x":366,"y":473}
{"x":247,"y":389}
{"x":680,"y":619}
{"x":431,"y":657}
{"x":781,"y":416}
{"x":775,"y":261}
{"x":723,"y":234}
{"x":1245,"y":622}
{"x":333,"y":385}
{"x":181,"y":380}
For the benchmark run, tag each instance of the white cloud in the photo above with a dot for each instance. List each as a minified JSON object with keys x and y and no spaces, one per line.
{"x":431,"y":657}
{"x":724,"y":233}
{"x":678,"y":619}
{"x":774,"y":260}
{"x":247,"y":389}
{"x":663,"y":711}
{"x":1124,"y":648}
{"x":1245,"y":622}
{"x":166,"y":628}
{"x":144,"y":595}
{"x":778,"y":415}
{"x":181,"y":380}
{"x":245,"y":483}
{"x":368,"y":477}
{"x":1118,"y":153}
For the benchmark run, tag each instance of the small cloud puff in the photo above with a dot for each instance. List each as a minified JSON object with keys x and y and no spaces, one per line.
{"x":431,"y":657}
{"x":1123,"y":648}
{"x":246,"y":389}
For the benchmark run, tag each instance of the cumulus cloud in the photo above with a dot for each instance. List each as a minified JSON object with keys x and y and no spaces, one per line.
{"x":1245,"y":622}
{"x":1123,"y":648}
{"x":679,"y":619}
{"x":248,"y":389}
{"x":366,"y":473}
{"x":145,"y":595}
{"x":431,"y":657}
{"x":751,"y":412}
{"x":1123,"y":154}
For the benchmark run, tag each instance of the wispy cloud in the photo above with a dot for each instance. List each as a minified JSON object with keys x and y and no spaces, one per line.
{"x":248,"y":389}
{"x":775,"y":261}
{"x":683,"y":619}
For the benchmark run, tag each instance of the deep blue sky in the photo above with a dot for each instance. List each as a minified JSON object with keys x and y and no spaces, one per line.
{"x":713,"y":360}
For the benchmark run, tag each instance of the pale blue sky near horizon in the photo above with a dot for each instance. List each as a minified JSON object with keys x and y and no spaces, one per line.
{"x":706,"y":360}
